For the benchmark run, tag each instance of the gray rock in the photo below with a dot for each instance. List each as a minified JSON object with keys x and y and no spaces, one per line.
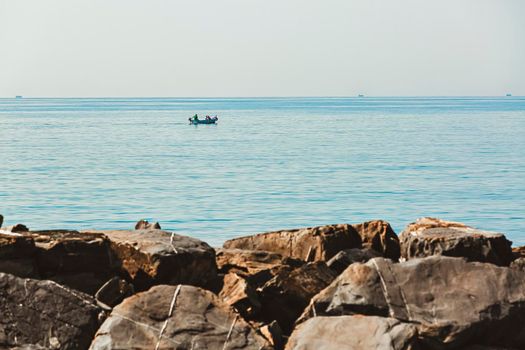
{"x":42,"y":314}
{"x":176,"y":317}
{"x":346,"y":257}
{"x":451,"y":301}
{"x":354,"y":333}
{"x":430,"y":236}
{"x":308,"y":244}
{"x":150,"y":257}
{"x":114,"y":291}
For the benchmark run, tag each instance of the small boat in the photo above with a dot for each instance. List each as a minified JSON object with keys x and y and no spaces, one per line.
{"x":18,"y":97}
{"x":508,"y":95}
{"x":360,"y":95}
{"x":208,"y":120}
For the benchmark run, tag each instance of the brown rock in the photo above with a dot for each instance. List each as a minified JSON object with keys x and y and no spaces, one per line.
{"x":114,"y":291}
{"x":518,"y":264}
{"x":452,"y":302}
{"x":353,"y":333}
{"x":380,"y":236}
{"x":347,"y":257}
{"x":430,"y":236}
{"x":145,"y":225}
{"x":169,"y":317}
{"x":82,"y":261}
{"x":309,"y":244}
{"x":152,"y":257}
{"x":273,"y":333}
{"x":285,"y":296}
{"x":256,"y":266}
{"x":42,"y":314}
{"x":237,"y":292}
{"x":16,"y":255}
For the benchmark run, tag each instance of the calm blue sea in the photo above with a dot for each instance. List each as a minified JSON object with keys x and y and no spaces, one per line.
{"x":270,"y":163}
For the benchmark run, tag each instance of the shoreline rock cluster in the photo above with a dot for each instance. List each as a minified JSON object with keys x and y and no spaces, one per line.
{"x":438,"y":285}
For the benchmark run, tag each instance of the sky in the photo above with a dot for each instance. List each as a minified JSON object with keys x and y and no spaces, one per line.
{"x":184,"y":48}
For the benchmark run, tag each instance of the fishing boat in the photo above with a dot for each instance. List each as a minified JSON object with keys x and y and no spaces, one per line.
{"x":208,"y":120}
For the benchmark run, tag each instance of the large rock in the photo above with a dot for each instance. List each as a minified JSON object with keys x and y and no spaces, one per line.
{"x":169,"y":317}
{"x":309,"y":244}
{"x":16,"y":254}
{"x":347,"y":257}
{"x":284,"y":297}
{"x":82,"y":261}
{"x":354,"y":333}
{"x":241,"y":295}
{"x":42,"y":314}
{"x":152,"y":257}
{"x":451,"y":301}
{"x":256,"y":266}
{"x":430,"y":236}
{"x":379,"y":236}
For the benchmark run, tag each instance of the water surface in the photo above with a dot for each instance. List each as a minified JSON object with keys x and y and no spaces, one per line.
{"x":270,"y":163}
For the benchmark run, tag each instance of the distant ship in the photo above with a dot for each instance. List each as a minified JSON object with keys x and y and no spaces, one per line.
{"x":508,"y":95}
{"x":18,"y":97}
{"x":360,"y":95}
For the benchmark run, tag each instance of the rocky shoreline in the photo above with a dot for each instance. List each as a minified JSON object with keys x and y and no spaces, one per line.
{"x":437,"y":285}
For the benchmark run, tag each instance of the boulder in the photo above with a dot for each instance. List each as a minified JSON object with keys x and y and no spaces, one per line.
{"x":241,"y":295}
{"x":150,"y":257}
{"x":452,"y":302}
{"x":256,"y":266}
{"x":347,"y":257}
{"x":114,"y":291}
{"x":42,"y":314}
{"x":82,"y":261}
{"x":519,"y":264}
{"x":16,"y":254}
{"x":285,"y":296}
{"x":273,"y":333}
{"x":380,"y":236}
{"x":430,"y":236}
{"x":145,"y":225}
{"x":308,"y":244}
{"x":181,"y":317}
{"x":353,"y":333}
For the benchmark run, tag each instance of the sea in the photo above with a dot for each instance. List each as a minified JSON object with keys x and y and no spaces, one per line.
{"x":269,"y":163}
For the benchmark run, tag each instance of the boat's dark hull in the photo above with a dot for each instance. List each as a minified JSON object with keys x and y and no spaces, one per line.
{"x":205,"y":121}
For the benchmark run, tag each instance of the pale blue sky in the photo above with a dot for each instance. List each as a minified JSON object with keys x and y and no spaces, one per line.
{"x":261,"y":47}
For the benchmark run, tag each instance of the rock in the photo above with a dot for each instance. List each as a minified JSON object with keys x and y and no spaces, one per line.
{"x":352,"y":333}
{"x":452,"y":302}
{"x":18,"y":228}
{"x":272,"y":332}
{"x":114,"y":291}
{"x":182,"y":317}
{"x":145,"y":225}
{"x":518,"y":264}
{"x":16,"y":255}
{"x":430,"y":236}
{"x":285,"y":296}
{"x":380,"y":236}
{"x":150,"y":257}
{"x":237,"y":292}
{"x":518,"y":252}
{"x":346,"y":257}
{"x":256,"y":266}
{"x":42,"y":314}
{"x":82,"y":261}
{"x":309,"y":244}
{"x":1,"y":220}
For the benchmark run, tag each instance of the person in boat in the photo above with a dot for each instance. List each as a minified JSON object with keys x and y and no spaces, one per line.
{"x":195,"y":117}
{"x":208,"y":117}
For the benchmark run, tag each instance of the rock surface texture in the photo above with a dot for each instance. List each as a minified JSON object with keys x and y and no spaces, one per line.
{"x":430,"y":236}
{"x":354,"y":333}
{"x":379,"y":236}
{"x":347,"y":257}
{"x":308,"y":244}
{"x":451,"y":301}
{"x":176,"y":317}
{"x":42,"y":314}
{"x":150,"y":257}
